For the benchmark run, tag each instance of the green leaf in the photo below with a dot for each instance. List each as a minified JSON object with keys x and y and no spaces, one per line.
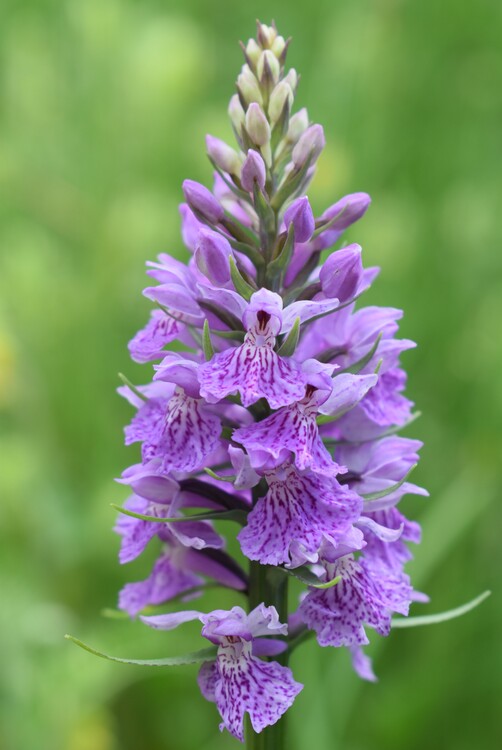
{"x":279,"y":264}
{"x":213,"y":515}
{"x":132,"y":387}
{"x":389,"y":490}
{"x":236,"y":335}
{"x":306,"y":576}
{"x":206,"y":342}
{"x":240,"y":284}
{"x":250,"y":252}
{"x":358,"y":366}
{"x":196,"y":657}
{"x":233,"y":187}
{"x":229,"y":478}
{"x":288,"y":346}
{"x":225,"y":316}
{"x":289,"y":186}
{"x":227,"y":432}
{"x":239,"y":231}
{"x":451,"y":614}
{"x":265,"y":213}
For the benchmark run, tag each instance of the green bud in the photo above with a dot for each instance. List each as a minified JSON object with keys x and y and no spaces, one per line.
{"x":266,"y":35}
{"x":292,"y":79}
{"x":297,"y":125}
{"x":248,"y":86}
{"x":281,"y":95}
{"x":278,"y":46}
{"x":268,"y":67}
{"x":257,"y":125}
{"x":236,"y":113}
{"x":253,"y":51}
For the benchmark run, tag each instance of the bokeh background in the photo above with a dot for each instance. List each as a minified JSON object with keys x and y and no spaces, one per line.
{"x":104,"y":107}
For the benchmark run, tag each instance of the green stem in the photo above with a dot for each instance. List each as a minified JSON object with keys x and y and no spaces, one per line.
{"x":270,"y":586}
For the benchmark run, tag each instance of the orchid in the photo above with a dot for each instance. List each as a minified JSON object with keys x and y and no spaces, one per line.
{"x":281,"y":414}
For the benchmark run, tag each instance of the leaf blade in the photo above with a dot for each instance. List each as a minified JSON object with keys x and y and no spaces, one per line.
{"x":450,"y":614}
{"x":195,"y":657}
{"x":210,"y":515}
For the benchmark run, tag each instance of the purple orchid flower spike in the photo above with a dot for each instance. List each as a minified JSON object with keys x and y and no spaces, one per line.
{"x":276,"y":419}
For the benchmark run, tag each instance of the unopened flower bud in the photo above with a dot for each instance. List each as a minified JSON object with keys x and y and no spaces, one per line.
{"x":278,"y":46}
{"x":202,"y":202}
{"x":297,"y":125}
{"x":300,"y":215}
{"x":223,"y":155}
{"x":236,"y":112}
{"x":253,"y":51}
{"x":309,"y":146}
{"x":278,"y":98}
{"x":257,"y":125}
{"x":211,"y":256}
{"x":253,"y":170}
{"x":268,"y":66}
{"x":342,"y":273}
{"x":190,"y":227}
{"x":291,"y":78}
{"x":342,"y":214}
{"x":266,"y":35}
{"x":248,"y":86}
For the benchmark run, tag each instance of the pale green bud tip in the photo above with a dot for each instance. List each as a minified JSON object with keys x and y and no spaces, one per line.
{"x":248,"y":86}
{"x":280,"y":96}
{"x":292,"y":79}
{"x":297,"y":125}
{"x":268,"y":66}
{"x":253,"y":51}
{"x":278,"y":46}
{"x":266,"y":35}
{"x":257,"y":125}
{"x":236,"y":112}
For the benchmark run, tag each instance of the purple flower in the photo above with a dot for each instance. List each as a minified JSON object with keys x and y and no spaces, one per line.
{"x":254,"y":369}
{"x":300,"y":215}
{"x":362,"y":597}
{"x":340,"y":216}
{"x":342,"y":274}
{"x":175,"y":426}
{"x":309,"y":146}
{"x":202,"y":202}
{"x":297,"y":514}
{"x":237,"y":680}
{"x":253,"y":170}
{"x":148,"y":344}
{"x":377,"y":465}
{"x":211,"y":255}
{"x":294,"y":427}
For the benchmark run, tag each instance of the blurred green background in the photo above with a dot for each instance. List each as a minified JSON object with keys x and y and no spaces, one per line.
{"x":104,"y":106}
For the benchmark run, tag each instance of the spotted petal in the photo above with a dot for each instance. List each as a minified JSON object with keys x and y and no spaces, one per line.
{"x":255,"y":372}
{"x":248,"y":685}
{"x":297,"y":513}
